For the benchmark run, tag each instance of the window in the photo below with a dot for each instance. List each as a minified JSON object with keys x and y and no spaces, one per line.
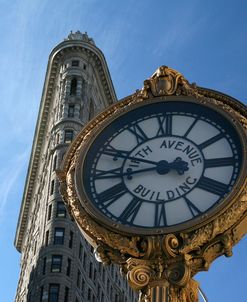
{"x":112,"y":293}
{"x":35,"y":247}
{"x":56,"y":263}
{"x":71,"y":236}
{"x":68,"y":136}
{"x":46,"y":237}
{"x":53,"y":293}
{"x":71,"y":110}
{"x":82,"y":287}
{"x":54,"y":163}
{"x":44,"y":266}
{"x":91,"y":109}
{"x":52,"y":187}
{"x":49,"y":212}
{"x":41,"y":293}
{"x":78,"y":278}
{"x":84,"y":258}
{"x":89,"y":293}
{"x":57,"y":138}
{"x":61,"y":210}
{"x":100,"y":268}
{"x":31,"y":274}
{"x":59,"y":236}
{"x":68,"y":267}
{"x":80,"y":252}
{"x":84,"y":66}
{"x":75,"y":63}
{"x":90,"y":270}
{"x":73,"y":86}
{"x":98,"y":290}
{"x":66,"y":294}
{"x":29,"y":296}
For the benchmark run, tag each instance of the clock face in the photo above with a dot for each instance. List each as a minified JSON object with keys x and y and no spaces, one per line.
{"x":160,"y":166}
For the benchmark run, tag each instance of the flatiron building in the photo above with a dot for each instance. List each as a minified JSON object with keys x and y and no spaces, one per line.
{"x":57,"y":264}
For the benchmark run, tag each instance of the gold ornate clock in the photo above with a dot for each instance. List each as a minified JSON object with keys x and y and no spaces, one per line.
{"x":157,"y":183}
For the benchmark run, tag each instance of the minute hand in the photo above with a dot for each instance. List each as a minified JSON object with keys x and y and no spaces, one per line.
{"x":116,"y":154}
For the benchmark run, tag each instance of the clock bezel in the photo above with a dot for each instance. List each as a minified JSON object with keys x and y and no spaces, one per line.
{"x":105,"y":118}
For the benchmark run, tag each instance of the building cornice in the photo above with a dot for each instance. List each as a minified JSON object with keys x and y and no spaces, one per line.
{"x":41,"y":127}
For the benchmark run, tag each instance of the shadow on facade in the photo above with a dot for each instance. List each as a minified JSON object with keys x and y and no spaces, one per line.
{"x":55,"y":278}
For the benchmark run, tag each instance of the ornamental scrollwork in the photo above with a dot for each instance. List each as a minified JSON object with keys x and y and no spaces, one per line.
{"x":178,"y":274}
{"x":203,"y":235}
{"x":164,"y":82}
{"x":139,"y":277}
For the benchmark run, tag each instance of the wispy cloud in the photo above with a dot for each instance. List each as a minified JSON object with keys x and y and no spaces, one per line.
{"x":180,"y":29}
{"x":9,"y":178}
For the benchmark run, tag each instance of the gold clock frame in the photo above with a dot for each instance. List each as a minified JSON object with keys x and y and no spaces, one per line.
{"x":188,"y":225}
{"x":162,"y":259}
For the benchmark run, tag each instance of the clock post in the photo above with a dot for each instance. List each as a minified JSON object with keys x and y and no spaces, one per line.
{"x":157,"y":184}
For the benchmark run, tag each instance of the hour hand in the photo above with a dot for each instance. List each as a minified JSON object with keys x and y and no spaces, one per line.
{"x":179,"y":165}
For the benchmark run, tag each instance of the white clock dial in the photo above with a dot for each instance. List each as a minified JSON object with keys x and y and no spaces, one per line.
{"x":162,"y":165}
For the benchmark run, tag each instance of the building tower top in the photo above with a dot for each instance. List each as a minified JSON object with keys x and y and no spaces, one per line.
{"x":79,"y":36}
{"x":79,"y":46}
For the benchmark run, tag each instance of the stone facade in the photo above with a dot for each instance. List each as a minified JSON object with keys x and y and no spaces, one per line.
{"x":57,"y":264}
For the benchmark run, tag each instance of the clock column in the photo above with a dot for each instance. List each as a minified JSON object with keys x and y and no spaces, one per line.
{"x":162,"y":275}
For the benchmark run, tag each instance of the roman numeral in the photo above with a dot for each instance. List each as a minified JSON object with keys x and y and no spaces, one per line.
{"x":115,"y":153}
{"x":212,"y":186}
{"x":165,"y":125}
{"x":110,"y":195}
{"x":130,"y":212}
{"x":139,"y":133}
{"x":193,"y":209}
{"x":160,"y":215}
{"x":101,"y":174}
{"x":211,"y":141}
{"x":190,"y":127}
{"x":219,"y":162}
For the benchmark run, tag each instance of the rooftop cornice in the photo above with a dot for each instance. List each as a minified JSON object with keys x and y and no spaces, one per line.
{"x":41,"y":126}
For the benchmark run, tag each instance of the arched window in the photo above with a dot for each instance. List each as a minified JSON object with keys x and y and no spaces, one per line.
{"x":73,"y":86}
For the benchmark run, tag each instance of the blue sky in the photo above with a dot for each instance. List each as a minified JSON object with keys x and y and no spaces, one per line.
{"x":204,"y":40}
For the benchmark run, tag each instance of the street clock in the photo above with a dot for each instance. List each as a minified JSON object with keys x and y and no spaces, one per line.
{"x":162,"y":165}
{"x":161,"y":175}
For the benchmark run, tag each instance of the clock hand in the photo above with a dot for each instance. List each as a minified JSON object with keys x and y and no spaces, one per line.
{"x":117,"y":153}
{"x":128,"y":173}
{"x":178,"y":164}
{"x":162,"y":167}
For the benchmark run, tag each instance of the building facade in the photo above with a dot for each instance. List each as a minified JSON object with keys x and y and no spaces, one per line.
{"x":57,"y":264}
